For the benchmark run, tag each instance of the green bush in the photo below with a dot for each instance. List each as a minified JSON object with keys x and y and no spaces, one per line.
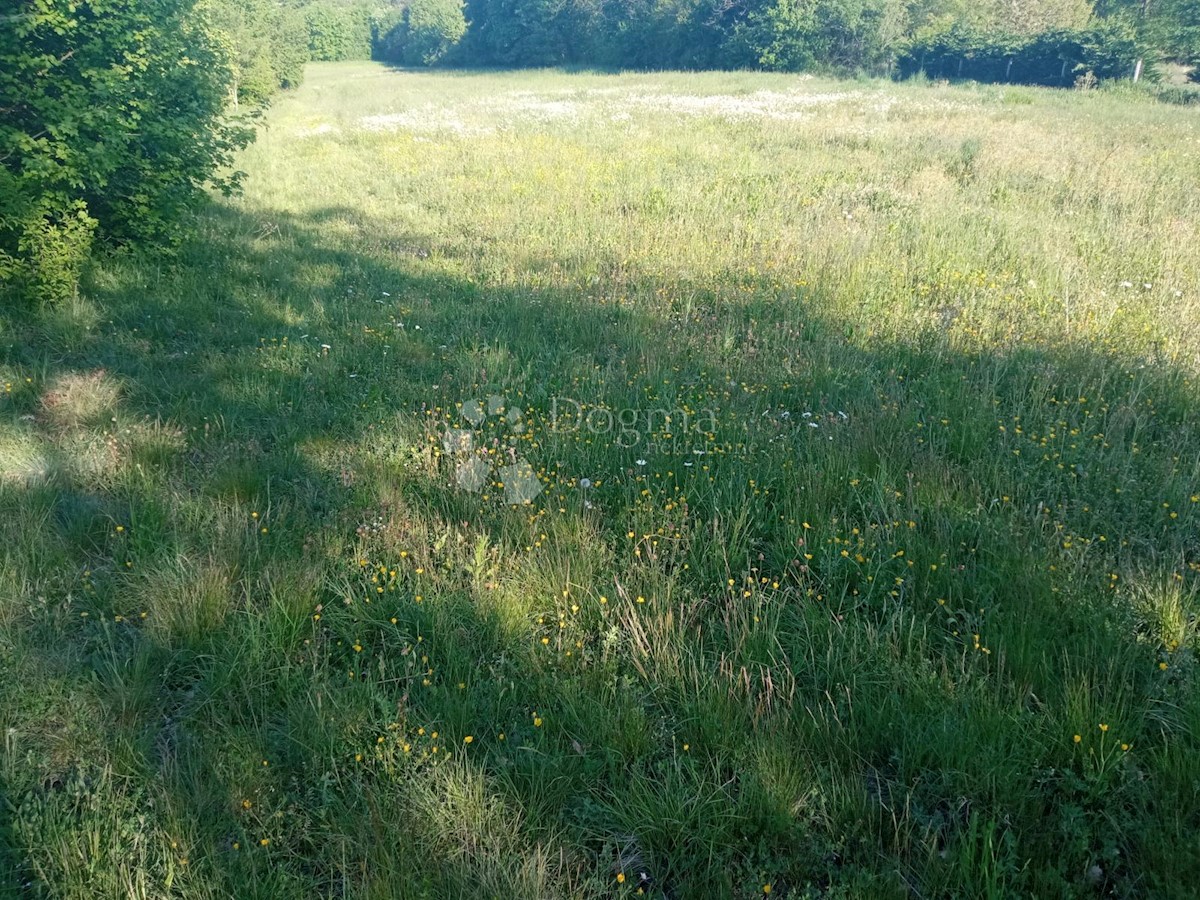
{"x":52,"y":247}
{"x":113,"y":125}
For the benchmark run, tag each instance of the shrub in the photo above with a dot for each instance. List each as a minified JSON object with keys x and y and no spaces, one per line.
{"x":51,"y":248}
{"x":112,"y":125}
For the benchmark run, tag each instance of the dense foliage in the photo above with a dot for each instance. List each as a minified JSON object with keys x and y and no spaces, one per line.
{"x":1051,"y":42}
{"x":268,"y":42}
{"x":1052,"y":58}
{"x":337,"y":30}
{"x":115,"y":116}
{"x":112,"y":126}
{"x":420,"y":33}
{"x":266,"y":45}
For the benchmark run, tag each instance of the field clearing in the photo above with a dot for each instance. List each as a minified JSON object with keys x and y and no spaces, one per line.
{"x":555,"y":484}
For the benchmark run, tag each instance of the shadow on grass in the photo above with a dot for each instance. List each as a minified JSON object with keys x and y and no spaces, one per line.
{"x":245,"y":591}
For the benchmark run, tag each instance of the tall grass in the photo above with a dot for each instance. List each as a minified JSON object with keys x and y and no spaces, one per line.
{"x":856,"y":554}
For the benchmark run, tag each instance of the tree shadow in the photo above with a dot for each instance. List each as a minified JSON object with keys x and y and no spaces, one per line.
{"x":235,"y":444}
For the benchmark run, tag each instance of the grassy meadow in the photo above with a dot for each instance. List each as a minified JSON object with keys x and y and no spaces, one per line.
{"x":570,"y":485}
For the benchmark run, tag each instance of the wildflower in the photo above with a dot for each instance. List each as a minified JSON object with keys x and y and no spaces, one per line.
{"x":1103,"y":727}
{"x":620,"y":878}
{"x":585,"y":483}
{"x":1077,"y":738}
{"x":468,"y":739}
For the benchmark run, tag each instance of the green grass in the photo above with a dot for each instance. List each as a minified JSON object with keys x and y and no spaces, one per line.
{"x":885,"y":583}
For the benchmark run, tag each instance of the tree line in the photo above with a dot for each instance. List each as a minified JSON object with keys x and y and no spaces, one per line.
{"x":871,"y":36}
{"x":1052,"y":42}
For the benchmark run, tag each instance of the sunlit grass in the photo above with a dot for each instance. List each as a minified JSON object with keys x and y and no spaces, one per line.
{"x":861,"y":558}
